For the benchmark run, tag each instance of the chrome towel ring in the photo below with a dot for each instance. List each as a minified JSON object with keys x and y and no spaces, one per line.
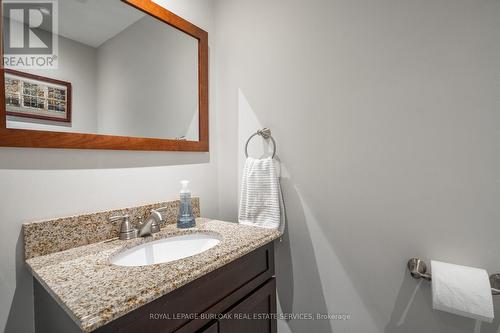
{"x":264,"y":133}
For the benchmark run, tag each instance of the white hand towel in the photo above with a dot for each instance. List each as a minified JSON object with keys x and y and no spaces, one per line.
{"x":461,"y":290}
{"x":261,"y":201}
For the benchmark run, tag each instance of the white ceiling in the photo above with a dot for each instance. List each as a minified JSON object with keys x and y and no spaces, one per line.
{"x":92,"y":22}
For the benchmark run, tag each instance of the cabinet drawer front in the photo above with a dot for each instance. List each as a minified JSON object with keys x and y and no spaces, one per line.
{"x":212,"y":292}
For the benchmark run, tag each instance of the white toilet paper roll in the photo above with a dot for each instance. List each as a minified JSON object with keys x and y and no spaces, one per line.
{"x":462,"y":290}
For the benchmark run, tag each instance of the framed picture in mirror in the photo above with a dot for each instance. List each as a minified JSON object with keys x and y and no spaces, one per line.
{"x":37,"y":97}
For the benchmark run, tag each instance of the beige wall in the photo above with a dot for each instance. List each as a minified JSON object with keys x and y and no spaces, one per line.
{"x":165,"y":74}
{"x":386,"y":114}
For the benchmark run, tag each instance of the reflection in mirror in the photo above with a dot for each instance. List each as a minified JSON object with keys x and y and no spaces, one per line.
{"x":120,"y":72}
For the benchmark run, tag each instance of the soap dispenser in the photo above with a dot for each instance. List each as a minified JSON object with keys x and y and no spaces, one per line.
{"x":186,"y":217}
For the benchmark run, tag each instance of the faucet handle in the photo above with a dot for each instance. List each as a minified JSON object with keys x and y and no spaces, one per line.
{"x":127,"y":230}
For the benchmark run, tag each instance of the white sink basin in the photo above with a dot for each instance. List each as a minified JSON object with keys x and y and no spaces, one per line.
{"x":166,"y":250}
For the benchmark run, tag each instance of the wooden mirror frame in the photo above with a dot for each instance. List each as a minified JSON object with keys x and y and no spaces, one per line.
{"x":47,"y":139}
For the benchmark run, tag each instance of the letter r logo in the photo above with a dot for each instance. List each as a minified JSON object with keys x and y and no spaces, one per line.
{"x":28,"y":27}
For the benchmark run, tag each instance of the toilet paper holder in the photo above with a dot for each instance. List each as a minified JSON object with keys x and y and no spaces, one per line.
{"x":418,"y":270}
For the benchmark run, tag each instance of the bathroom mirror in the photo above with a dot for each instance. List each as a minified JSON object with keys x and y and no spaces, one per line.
{"x":103,"y":74}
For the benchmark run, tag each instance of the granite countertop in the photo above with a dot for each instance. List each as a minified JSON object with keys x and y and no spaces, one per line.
{"x":94,"y":292}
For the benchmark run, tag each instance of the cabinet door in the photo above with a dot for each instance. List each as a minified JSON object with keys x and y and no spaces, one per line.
{"x":214,"y":328}
{"x":255,"y":314}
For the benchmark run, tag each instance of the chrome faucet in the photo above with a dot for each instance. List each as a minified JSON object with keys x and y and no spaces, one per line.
{"x":146,"y":228}
{"x":151,"y":225}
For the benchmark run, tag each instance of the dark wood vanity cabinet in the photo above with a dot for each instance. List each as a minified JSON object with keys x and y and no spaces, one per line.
{"x":238,"y":297}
